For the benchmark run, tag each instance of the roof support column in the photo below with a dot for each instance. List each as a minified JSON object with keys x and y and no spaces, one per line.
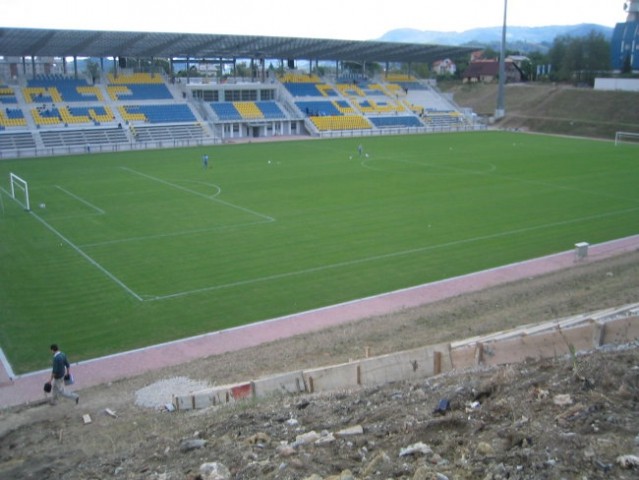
{"x":33,"y":67}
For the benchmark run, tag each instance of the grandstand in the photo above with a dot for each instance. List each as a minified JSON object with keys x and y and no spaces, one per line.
{"x":46,"y":110}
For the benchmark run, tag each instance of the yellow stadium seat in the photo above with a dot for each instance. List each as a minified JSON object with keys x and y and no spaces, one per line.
{"x":248,"y":110}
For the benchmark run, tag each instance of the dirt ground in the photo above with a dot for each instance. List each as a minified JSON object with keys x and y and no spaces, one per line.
{"x":565,"y":418}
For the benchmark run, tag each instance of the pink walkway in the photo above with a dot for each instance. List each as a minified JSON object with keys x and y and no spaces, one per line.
{"x":28,"y":388}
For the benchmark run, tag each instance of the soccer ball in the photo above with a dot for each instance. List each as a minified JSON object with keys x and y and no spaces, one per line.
{"x":366,"y":155}
{"x":43,"y":205}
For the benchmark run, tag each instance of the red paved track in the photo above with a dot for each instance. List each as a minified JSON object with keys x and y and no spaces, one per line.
{"x":28,"y":388}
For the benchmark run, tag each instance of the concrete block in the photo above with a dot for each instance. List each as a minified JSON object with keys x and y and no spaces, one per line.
{"x":288,"y":383}
{"x":241,"y":391}
{"x":408,"y":365}
{"x":183,"y":402}
{"x":336,"y":377}
{"x":621,"y":330}
{"x":552,"y":343}
{"x":204,"y":398}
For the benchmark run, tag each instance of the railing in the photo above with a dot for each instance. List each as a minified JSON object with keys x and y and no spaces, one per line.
{"x":400,"y":131}
{"x":103,"y":148}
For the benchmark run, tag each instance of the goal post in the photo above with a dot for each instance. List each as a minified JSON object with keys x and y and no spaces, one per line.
{"x":20,"y":190}
{"x":626,"y":137}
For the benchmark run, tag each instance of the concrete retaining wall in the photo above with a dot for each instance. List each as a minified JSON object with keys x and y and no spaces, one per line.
{"x":546,"y":340}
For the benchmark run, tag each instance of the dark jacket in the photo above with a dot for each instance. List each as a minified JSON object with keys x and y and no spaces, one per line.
{"x":60,"y":365}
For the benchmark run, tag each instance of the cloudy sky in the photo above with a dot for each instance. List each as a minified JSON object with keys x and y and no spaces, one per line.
{"x":336,"y":19}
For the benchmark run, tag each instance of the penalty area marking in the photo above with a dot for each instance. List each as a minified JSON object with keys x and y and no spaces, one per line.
{"x":200,"y":194}
{"x":87,"y":257}
{"x":81,"y":200}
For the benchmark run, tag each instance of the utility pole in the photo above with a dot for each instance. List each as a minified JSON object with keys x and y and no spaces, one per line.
{"x":500,"y":111}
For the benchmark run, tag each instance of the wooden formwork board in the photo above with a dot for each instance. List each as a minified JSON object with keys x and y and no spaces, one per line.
{"x":408,"y":365}
{"x":336,"y":377}
{"x":287,"y":383}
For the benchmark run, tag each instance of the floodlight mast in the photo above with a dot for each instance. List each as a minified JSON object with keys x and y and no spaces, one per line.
{"x":500,"y":111}
{"x":632,"y":7}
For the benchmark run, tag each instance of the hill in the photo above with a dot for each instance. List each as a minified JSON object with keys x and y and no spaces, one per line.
{"x":524,"y":39}
{"x":552,"y":108}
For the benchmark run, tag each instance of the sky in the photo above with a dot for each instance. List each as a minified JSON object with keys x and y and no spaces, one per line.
{"x":334,"y":19}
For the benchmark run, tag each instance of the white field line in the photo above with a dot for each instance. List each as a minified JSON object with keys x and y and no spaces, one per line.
{"x":386,"y":256}
{"x":115,"y":279}
{"x":173,"y":234}
{"x":185,"y":341}
{"x":81,"y":200}
{"x":6,"y":365}
{"x":213,"y":198}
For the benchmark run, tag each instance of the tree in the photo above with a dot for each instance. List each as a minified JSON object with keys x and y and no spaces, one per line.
{"x":93,"y":69}
{"x":420,"y":70}
{"x":579,"y":58}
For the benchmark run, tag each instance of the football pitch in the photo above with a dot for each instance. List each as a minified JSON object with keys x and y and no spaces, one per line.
{"x":126,"y":250}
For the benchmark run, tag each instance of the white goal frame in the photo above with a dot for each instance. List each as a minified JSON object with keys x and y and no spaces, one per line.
{"x":20,"y":185}
{"x":633,"y":136}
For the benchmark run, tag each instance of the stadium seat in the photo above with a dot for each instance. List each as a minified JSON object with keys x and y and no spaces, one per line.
{"x":7,"y":95}
{"x":270,"y":110}
{"x":226,"y":111}
{"x":12,"y":117}
{"x":248,"y":110}
{"x":396,"y":121}
{"x":318,"y":108}
{"x":46,"y":116}
{"x":340,"y":122}
{"x":169,"y":113}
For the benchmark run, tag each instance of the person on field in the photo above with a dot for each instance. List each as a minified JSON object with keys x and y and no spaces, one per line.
{"x":60,"y":370}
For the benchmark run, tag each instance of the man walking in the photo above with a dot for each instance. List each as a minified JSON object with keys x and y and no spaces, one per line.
{"x":60,"y":370}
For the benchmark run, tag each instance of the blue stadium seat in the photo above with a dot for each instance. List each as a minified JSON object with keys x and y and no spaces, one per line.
{"x":396,"y":121}
{"x":270,"y":110}
{"x":318,"y":108}
{"x":303,"y":89}
{"x":163,"y":113}
{"x":226,"y":111}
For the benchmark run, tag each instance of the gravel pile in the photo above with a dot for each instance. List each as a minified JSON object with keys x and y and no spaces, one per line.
{"x":160,"y":393}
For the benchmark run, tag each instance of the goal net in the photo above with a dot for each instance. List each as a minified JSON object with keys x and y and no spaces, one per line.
{"x":20,"y":190}
{"x":626,"y":137}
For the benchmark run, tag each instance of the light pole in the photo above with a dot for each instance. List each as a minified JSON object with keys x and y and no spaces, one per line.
{"x":500,"y":111}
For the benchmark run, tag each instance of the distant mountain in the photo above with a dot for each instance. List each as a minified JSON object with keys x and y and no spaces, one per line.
{"x":518,"y":38}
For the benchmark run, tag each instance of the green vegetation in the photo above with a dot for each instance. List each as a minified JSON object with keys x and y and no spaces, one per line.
{"x":137,"y":248}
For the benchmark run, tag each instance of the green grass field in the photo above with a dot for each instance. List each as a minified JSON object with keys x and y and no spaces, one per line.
{"x":137,"y":248}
